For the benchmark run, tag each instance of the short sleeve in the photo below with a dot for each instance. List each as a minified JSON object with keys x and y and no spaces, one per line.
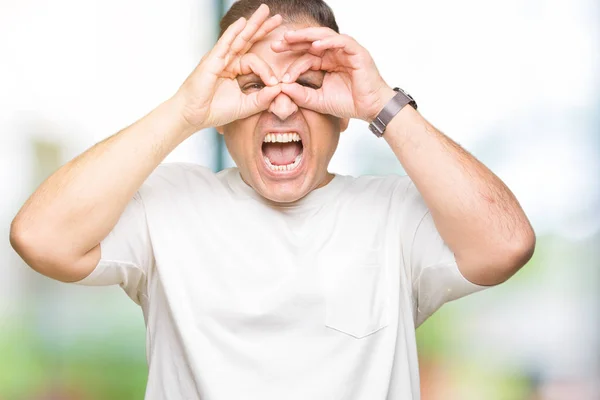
{"x":126,"y":253}
{"x":434,"y":273}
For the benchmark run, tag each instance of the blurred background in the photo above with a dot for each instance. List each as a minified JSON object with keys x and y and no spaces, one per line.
{"x":516,"y":82}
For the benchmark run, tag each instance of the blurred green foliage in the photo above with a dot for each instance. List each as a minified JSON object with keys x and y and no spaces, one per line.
{"x":83,"y":369}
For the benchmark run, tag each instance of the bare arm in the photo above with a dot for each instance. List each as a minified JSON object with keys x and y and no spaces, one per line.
{"x":476,"y":214}
{"x":59,"y":229}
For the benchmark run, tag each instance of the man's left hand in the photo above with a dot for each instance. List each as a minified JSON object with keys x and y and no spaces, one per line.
{"x":352,"y":86}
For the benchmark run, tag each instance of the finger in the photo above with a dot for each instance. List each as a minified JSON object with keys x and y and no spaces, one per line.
{"x":304,"y":97}
{"x":281,"y":46}
{"x":258,"y":101}
{"x":267,"y":27}
{"x":302,"y":64}
{"x":344,"y":42}
{"x":254,"y":23}
{"x":309,"y":34}
{"x":223,"y":45}
{"x":251,"y":63}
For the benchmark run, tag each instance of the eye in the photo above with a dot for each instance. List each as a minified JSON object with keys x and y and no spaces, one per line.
{"x":308,"y":84}
{"x":253,"y":86}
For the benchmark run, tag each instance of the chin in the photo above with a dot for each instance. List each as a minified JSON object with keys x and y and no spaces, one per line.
{"x":280,"y":189}
{"x":282,"y":169}
{"x":283,"y":193}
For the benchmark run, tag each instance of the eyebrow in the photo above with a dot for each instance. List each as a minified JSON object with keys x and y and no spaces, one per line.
{"x":250,"y":76}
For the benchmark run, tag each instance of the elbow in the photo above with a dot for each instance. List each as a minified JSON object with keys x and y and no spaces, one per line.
{"x":38,"y":251}
{"x":52,"y":256}
{"x":23,"y":241}
{"x":521,"y":246}
{"x":498,"y":263}
{"x":524,"y":248}
{"x":19,"y":240}
{"x":516,"y":254}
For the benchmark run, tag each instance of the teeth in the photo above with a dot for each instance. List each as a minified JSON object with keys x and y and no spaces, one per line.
{"x":287,"y":167}
{"x":282,"y":137}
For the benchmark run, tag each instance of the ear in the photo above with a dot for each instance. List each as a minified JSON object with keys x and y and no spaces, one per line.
{"x":219,"y":129}
{"x":344,"y":124}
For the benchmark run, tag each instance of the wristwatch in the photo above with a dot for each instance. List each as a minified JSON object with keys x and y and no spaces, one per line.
{"x":390,"y":110}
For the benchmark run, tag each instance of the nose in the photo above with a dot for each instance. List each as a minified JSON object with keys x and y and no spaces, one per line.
{"x":283,"y":107}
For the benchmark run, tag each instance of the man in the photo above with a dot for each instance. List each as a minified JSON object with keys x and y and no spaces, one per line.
{"x":278,"y":279}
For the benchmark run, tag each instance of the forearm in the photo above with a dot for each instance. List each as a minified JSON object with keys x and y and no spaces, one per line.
{"x":77,"y":206}
{"x":476,"y":214}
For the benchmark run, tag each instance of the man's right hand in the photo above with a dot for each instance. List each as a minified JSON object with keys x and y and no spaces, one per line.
{"x":54,"y":231}
{"x":211,"y":96}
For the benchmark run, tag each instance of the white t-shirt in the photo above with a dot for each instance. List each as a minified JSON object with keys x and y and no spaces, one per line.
{"x":245,"y":299}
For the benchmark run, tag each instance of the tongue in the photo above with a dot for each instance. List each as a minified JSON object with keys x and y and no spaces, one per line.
{"x":282,"y":153}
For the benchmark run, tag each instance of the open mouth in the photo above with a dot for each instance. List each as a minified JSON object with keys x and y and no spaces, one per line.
{"x":282,"y":151}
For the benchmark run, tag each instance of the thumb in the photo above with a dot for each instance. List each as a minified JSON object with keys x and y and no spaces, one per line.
{"x":258,"y":101}
{"x":304,"y":97}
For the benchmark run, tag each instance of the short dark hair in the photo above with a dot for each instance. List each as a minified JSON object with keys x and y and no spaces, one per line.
{"x":299,"y":11}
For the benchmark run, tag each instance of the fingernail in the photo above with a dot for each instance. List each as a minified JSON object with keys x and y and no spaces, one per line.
{"x":316,"y":43}
{"x":273,"y":81}
{"x":286,"y":78}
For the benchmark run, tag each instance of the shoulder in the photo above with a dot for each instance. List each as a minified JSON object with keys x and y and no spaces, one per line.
{"x":181,"y":170}
{"x":178,"y":177}
{"x":396,"y":193}
{"x":389,"y":186}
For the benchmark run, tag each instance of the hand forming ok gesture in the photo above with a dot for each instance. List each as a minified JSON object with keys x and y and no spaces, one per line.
{"x":352,"y":87}
{"x":211,"y":96}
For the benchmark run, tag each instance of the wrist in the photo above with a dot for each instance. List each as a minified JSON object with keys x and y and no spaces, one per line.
{"x":407,"y":118}
{"x":177,"y":110}
{"x":384,"y":95}
{"x":406,"y":127}
{"x":390,"y":111}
